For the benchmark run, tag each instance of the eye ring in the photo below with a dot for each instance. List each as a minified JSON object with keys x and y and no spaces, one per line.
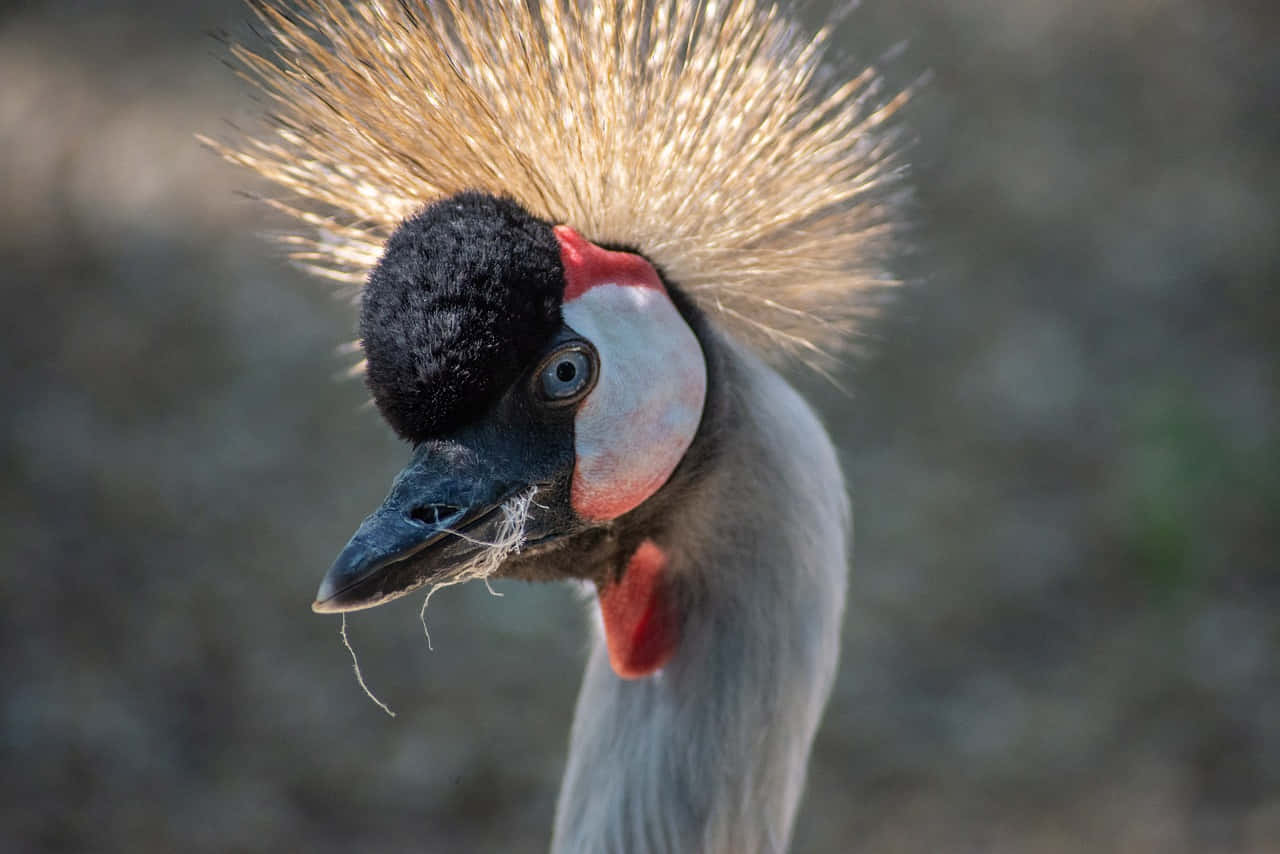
{"x":566,"y":375}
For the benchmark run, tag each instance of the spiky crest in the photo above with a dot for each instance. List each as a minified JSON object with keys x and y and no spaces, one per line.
{"x":705,"y":135}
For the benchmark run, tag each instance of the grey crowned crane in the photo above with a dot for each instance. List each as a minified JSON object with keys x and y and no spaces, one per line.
{"x":582,"y":231}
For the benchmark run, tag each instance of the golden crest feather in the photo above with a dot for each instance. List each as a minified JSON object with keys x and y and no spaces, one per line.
{"x":705,"y":135}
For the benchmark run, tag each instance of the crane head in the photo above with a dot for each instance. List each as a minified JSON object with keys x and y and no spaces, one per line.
{"x":549,"y":387}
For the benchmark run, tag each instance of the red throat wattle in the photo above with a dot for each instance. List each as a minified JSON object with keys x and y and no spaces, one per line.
{"x":641,"y":628}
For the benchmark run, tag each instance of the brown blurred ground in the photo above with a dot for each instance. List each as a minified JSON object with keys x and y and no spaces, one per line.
{"x":1063,"y":632}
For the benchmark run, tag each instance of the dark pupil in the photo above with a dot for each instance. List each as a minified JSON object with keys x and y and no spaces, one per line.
{"x":565,"y":371}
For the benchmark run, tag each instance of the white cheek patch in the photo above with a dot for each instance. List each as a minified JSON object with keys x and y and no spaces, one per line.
{"x":635,"y":426}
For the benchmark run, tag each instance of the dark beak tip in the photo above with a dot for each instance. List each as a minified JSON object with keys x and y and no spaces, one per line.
{"x":327,"y":598}
{"x":337,"y":595}
{"x":335,"y":605}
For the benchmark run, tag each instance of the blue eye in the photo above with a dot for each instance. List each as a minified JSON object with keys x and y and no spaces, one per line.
{"x":567,"y":375}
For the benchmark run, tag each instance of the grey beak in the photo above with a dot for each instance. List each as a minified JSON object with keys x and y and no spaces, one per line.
{"x":441,"y":505}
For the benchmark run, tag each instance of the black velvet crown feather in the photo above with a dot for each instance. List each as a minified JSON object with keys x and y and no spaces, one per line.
{"x":465,"y":296}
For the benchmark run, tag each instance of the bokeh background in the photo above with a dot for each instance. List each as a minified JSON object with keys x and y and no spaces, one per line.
{"x":1064,"y":623}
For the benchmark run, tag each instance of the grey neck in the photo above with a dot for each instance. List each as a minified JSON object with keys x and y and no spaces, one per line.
{"x":709,"y":754}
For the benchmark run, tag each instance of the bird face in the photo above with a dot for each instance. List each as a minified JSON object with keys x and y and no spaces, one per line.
{"x":549,"y":386}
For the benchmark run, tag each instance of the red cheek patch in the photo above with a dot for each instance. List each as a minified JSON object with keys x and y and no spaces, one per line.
{"x":641,"y":628}
{"x":621,"y":489}
{"x":587,"y":265}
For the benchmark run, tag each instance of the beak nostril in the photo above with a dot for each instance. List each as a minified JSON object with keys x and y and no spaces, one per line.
{"x":434,"y":514}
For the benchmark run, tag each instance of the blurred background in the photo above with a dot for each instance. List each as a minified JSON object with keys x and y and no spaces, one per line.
{"x":1064,"y":622}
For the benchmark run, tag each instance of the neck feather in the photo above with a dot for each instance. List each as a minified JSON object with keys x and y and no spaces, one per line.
{"x":709,"y":754}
